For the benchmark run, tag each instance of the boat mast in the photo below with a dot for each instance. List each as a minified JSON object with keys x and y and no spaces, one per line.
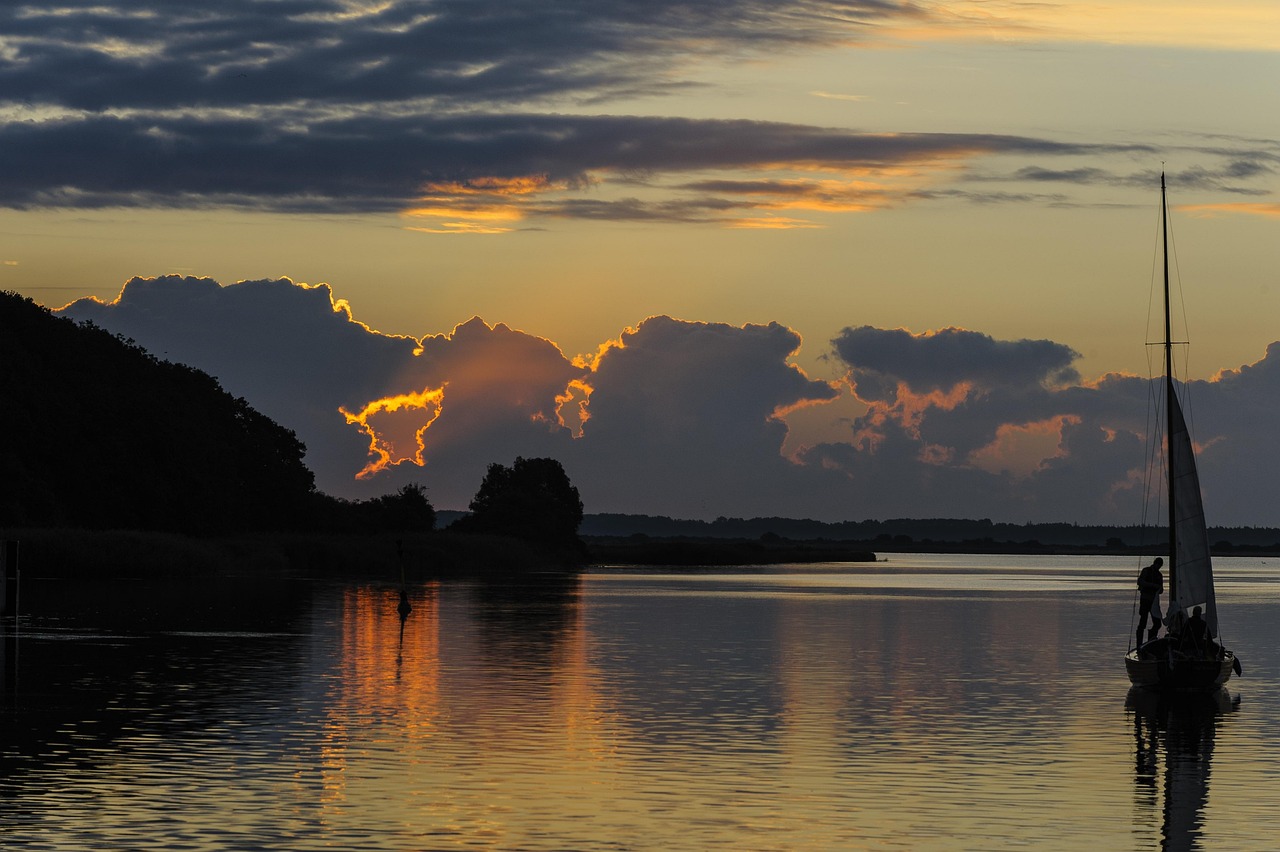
{"x":1168,"y":397}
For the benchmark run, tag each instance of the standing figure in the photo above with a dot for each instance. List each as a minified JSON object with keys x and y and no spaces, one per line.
{"x":1150,"y":588}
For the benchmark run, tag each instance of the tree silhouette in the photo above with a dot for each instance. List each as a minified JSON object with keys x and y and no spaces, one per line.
{"x":533,"y":500}
{"x":99,"y":433}
{"x":407,"y":510}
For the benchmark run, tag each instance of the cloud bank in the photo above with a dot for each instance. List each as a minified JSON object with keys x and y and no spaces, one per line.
{"x":689,"y":418}
{"x":474,"y":116}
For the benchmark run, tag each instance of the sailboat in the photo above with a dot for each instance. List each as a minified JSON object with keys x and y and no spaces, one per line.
{"x":1189,"y":655}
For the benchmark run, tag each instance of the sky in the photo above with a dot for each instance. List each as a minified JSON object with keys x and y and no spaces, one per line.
{"x":839,"y":259}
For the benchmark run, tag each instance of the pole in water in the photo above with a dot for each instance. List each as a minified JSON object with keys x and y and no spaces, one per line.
{"x":9,"y":594}
{"x":9,"y":609}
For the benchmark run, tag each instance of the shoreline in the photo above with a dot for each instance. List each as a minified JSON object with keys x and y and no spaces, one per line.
{"x":75,"y":553}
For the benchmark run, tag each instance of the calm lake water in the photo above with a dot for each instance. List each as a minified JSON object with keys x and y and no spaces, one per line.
{"x":930,"y":702}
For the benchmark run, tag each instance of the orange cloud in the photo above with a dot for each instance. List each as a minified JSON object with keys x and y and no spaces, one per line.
{"x":908,"y":410}
{"x":398,"y":436}
{"x":1269,"y":211}
{"x":728,"y":197}
{"x":1023,"y":449}
{"x":909,"y":407}
{"x":478,"y":203}
{"x":574,"y":417}
{"x":459,"y":228}
{"x":491,"y":186}
{"x":771,"y":223}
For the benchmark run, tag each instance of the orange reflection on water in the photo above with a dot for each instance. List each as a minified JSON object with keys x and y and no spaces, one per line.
{"x":387,"y":679}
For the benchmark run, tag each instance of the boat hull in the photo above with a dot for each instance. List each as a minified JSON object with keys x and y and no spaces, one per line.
{"x":1159,"y":672}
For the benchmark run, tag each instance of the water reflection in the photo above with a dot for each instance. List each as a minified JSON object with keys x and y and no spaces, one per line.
{"x":527,"y":619}
{"x":776,"y":711}
{"x":1173,"y":749}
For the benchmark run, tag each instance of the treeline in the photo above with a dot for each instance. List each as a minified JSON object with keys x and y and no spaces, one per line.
{"x":915,"y":534}
{"x":101,"y":434}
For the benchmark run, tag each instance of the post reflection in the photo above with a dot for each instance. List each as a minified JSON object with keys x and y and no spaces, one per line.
{"x":386,"y":677}
{"x":1173,"y":750}
{"x":465,"y":690}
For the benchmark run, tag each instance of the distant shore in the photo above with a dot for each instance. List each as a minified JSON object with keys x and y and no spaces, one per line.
{"x":719,"y":551}
{"x":643,"y":550}
{"x":447,"y":554}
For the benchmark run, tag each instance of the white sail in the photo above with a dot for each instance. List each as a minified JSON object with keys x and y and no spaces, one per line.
{"x":1193,"y":571}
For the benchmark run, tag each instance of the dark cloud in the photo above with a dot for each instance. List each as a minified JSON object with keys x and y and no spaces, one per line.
{"x":290,"y":350}
{"x":299,"y":356}
{"x":1233,"y":421}
{"x":1084,"y":175}
{"x":686,"y":415}
{"x":879,"y":359}
{"x":1232,"y":164}
{"x":689,"y":419}
{"x":922,"y":452}
{"x":394,"y":163}
{"x":326,"y":106}
{"x":177,"y":54}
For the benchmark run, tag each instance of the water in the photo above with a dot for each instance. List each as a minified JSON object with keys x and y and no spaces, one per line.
{"x":931,"y":702}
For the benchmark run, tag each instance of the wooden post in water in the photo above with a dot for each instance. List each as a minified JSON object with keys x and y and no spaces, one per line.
{"x":9,"y":594}
{"x":9,"y":622}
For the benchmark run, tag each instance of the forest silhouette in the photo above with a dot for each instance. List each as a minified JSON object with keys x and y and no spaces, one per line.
{"x":156,"y":461}
{"x":101,"y":434}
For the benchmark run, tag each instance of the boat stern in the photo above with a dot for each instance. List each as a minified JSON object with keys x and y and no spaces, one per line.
{"x":1159,"y":671}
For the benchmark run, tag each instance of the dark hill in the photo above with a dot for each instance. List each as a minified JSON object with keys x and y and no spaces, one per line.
{"x":98,"y":433}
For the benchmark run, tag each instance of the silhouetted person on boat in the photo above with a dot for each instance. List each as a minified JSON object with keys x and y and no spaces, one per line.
{"x":1150,"y":588}
{"x":1196,"y":627}
{"x":1195,"y":636}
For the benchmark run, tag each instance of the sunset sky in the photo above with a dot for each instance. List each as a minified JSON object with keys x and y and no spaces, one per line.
{"x":842,"y":260}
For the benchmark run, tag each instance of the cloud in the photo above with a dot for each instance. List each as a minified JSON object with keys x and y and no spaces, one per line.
{"x":1232,"y":418}
{"x":180,"y":54}
{"x":691,"y":418}
{"x":299,"y":356}
{"x":465,"y":116}
{"x":881,"y":361}
{"x":293,"y":351}
{"x":488,"y":168}
{"x":1236,"y":25}
{"x":1234,"y":163}
{"x":684,"y":413}
{"x":1267,"y":210}
{"x":413,"y":413}
{"x":1009,"y":425}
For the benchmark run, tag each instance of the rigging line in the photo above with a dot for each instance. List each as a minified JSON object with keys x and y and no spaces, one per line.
{"x":1154,"y":482}
{"x":1149,"y":468}
{"x":1151,"y":289}
{"x":1153,"y":456}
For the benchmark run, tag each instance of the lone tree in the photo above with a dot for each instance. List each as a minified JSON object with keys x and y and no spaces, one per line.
{"x":533,"y":500}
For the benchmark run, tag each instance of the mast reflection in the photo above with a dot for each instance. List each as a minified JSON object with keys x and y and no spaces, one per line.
{"x":1173,"y":750}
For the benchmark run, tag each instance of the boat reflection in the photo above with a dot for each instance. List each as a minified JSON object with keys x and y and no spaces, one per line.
{"x":1173,"y":748}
